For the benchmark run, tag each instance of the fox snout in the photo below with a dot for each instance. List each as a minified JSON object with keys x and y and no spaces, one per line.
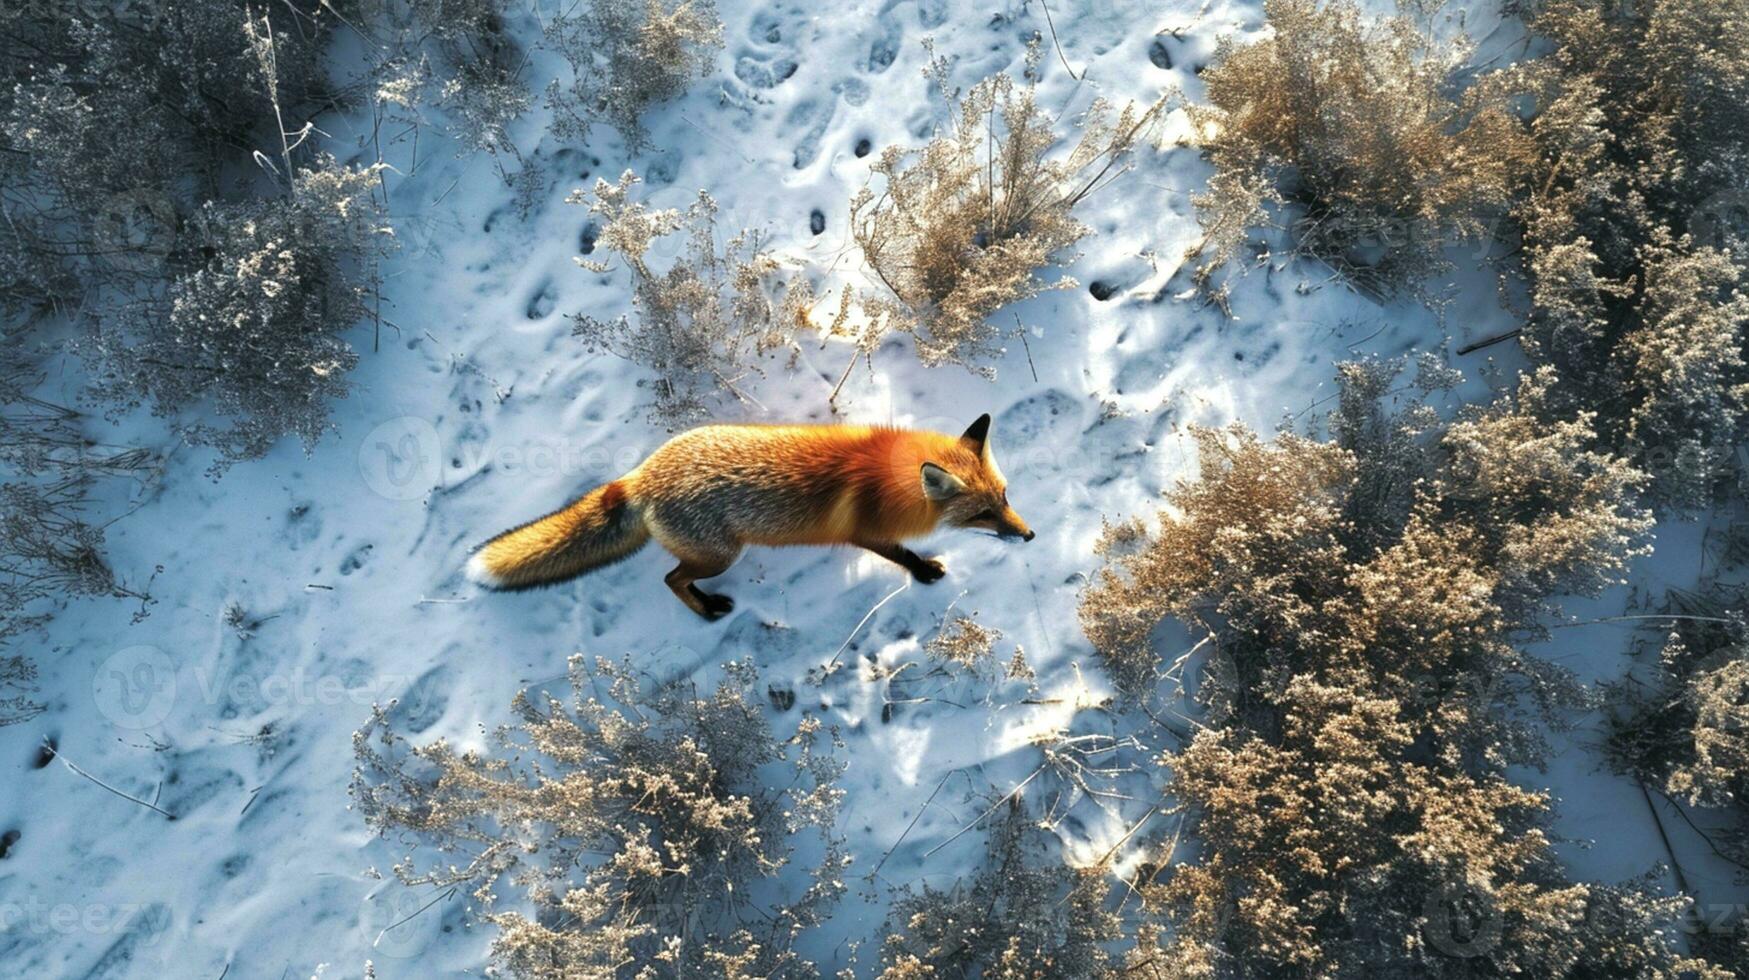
{"x":1009,"y":525}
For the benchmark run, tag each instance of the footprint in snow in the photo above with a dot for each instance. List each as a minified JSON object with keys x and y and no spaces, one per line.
{"x":884,"y":49}
{"x":425,"y":701}
{"x":1038,"y":417}
{"x":356,"y":558}
{"x":540,"y":305}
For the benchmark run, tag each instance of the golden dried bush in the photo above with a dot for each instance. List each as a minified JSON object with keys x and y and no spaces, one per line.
{"x":962,"y":226}
{"x":1617,"y":155}
{"x":1353,"y":122}
{"x":1718,"y":693}
{"x":1680,"y":727}
{"x":625,"y":57}
{"x":964,"y":643}
{"x":635,"y":824}
{"x":1023,"y":916}
{"x":703,"y":324}
{"x":1362,"y":599}
{"x":1684,"y":727}
{"x":1635,"y":228}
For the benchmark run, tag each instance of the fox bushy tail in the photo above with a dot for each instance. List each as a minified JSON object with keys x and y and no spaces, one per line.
{"x":597,"y":529}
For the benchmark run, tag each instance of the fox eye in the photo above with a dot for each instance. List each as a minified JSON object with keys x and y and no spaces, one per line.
{"x":984,"y":515}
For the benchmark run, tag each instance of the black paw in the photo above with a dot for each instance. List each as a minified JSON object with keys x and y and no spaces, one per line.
{"x":716,"y":606}
{"x":928,"y":570}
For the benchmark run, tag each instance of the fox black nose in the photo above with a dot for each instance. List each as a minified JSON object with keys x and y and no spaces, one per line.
{"x":1028,"y":536}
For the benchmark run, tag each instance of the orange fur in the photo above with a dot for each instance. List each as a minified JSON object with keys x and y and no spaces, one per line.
{"x":707,"y":493}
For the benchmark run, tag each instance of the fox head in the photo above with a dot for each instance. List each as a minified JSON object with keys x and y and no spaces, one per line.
{"x":968,"y":487}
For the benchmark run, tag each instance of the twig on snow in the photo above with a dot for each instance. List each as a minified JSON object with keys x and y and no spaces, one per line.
{"x":56,"y":753}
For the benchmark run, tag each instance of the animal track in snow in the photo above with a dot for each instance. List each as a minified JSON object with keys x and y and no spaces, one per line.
{"x":1036,"y":416}
{"x":425,"y":701}
{"x":356,"y":558}
{"x":540,"y":305}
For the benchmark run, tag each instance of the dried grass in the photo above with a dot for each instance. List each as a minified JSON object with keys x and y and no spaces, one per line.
{"x":962,"y":226}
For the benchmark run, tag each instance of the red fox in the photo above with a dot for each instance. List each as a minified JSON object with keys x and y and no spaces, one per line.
{"x":709,"y":492}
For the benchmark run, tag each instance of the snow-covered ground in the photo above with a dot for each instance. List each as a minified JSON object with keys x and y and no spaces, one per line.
{"x":480,"y":410}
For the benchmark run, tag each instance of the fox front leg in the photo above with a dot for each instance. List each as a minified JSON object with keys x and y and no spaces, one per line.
{"x":925,"y":570}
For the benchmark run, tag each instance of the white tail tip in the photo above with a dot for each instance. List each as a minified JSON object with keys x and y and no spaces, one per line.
{"x":479,"y":572}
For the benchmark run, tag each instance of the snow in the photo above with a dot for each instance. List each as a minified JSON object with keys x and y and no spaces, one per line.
{"x":479,"y":411}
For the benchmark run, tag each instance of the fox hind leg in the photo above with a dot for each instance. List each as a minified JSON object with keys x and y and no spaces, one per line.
{"x":925,"y":570}
{"x":706,"y":604}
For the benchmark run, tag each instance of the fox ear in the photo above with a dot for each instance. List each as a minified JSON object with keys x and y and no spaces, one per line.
{"x":939,"y":484}
{"x":977,"y":439}
{"x":977,"y":433}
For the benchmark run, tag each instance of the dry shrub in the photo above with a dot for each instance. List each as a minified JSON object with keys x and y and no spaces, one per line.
{"x":1024,"y":916}
{"x":1361,"y":599}
{"x":963,"y":225}
{"x":95,"y":176}
{"x":1717,"y":692}
{"x":1686,"y":359}
{"x":203,"y":296}
{"x":484,"y":99}
{"x":1681,"y":728}
{"x":965,"y":644}
{"x":1629,"y":183}
{"x":644,"y":833}
{"x":702,"y":324}
{"x":1259,"y":505}
{"x":255,"y":334}
{"x":456,"y":55}
{"x":465,"y":24}
{"x":626,"y":56}
{"x":1550,"y":506}
{"x":1353,"y":122}
{"x":48,"y":466}
{"x":1636,"y":231}
{"x":49,"y":549}
{"x":17,"y":685}
{"x":1684,"y":728}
